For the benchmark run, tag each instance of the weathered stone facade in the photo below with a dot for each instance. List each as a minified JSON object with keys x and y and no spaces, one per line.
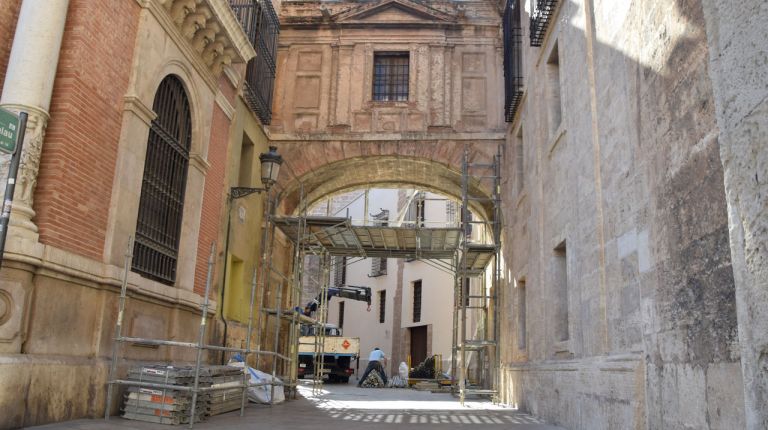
{"x":333,"y":134}
{"x":737,"y":47}
{"x":616,"y":222}
{"x":617,"y":226}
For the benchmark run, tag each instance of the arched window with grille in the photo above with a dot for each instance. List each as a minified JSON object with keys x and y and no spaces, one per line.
{"x":161,"y":204}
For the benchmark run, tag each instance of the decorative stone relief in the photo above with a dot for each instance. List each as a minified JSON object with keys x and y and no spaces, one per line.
{"x":30,"y":158}
{"x":6,"y":304}
{"x":14,"y":307}
{"x":26,"y":178}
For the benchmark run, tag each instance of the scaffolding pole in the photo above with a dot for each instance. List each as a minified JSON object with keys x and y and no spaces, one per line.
{"x":485,"y":342}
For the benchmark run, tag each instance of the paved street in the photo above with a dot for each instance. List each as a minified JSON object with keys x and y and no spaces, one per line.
{"x":349,"y":407}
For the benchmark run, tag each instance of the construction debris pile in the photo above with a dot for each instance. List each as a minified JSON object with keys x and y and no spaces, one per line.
{"x":374,"y":380}
{"x":425,"y":369}
{"x":220,"y":389}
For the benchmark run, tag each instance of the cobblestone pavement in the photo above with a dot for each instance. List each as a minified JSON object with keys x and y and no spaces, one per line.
{"x":344,"y":406}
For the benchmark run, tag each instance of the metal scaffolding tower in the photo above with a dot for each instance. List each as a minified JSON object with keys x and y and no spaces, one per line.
{"x":472,"y":261}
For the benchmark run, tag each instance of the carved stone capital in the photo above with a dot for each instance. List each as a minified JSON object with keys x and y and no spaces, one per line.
{"x":26,"y":179}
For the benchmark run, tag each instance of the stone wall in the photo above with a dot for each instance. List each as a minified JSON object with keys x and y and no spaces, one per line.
{"x":737,"y":45}
{"x":84,"y":130}
{"x":618,"y":227}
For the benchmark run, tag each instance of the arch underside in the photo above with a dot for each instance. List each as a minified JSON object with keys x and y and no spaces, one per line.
{"x":382,"y":172}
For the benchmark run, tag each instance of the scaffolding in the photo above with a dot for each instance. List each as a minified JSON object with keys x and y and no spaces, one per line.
{"x":472,"y":261}
{"x":326,"y":237}
{"x":330,"y":236}
{"x":262,"y":281}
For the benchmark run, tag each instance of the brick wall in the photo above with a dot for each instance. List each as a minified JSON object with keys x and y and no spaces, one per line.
{"x":78,"y":160}
{"x":9,"y":14}
{"x":213,"y":217}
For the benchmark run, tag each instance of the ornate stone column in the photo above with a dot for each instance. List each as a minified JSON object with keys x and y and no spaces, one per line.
{"x":28,"y":87}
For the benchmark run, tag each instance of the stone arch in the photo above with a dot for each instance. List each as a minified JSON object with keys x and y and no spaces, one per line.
{"x":327,"y":168}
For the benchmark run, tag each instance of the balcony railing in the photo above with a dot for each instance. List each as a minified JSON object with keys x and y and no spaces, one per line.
{"x":540,"y":18}
{"x":262,"y":26}
{"x":513,"y":56}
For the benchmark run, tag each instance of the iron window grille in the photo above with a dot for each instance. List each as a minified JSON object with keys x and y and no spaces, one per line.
{"x":417,"y":301}
{"x":540,"y":17}
{"x":158,"y":227}
{"x":341,"y":314}
{"x":390,"y":76}
{"x":262,"y":26}
{"x":382,"y":305}
{"x":513,"y":55}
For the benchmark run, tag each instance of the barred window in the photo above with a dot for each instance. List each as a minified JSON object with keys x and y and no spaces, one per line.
{"x":417,"y":301}
{"x":390,"y":76}
{"x":161,"y":204}
{"x":379,"y":264}
{"x":262,"y":26}
{"x":341,"y":314}
{"x":382,"y":305}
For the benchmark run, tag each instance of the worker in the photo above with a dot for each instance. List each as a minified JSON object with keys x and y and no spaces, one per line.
{"x":376,"y":361}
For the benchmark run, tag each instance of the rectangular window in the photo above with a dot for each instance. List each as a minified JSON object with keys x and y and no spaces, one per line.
{"x":382,"y":305}
{"x":415,"y":214}
{"x":262,"y":26}
{"x":390,"y":76}
{"x":519,"y":159}
{"x":379,"y":265}
{"x":417,"y":301}
{"x":341,"y":314}
{"x":553,"y":86}
{"x":521,"y":309}
{"x":465,"y":292}
{"x":246,"y":163}
{"x":339,"y":271}
{"x":560,"y":273}
{"x":513,"y":59}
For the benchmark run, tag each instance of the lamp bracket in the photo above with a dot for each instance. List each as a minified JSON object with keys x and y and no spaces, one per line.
{"x":238,"y":192}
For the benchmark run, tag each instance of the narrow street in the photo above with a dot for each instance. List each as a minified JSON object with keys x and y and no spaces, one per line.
{"x":346,"y":406}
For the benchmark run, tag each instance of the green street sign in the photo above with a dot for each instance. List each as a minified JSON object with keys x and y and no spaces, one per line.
{"x":9,"y":130}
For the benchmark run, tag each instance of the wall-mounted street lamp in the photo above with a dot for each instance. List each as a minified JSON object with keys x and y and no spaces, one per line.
{"x":270,"y":168}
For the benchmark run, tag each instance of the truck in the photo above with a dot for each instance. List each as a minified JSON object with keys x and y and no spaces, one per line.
{"x":338,"y":351}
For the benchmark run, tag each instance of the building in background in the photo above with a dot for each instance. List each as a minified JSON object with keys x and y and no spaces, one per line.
{"x":411,"y":313}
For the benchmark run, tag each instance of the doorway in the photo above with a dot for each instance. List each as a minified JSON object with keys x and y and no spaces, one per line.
{"x":418,"y":344}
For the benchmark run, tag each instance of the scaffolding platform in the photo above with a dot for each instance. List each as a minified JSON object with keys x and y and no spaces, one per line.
{"x":339,"y":237}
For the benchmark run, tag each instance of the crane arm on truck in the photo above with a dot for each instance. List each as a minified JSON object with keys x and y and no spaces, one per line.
{"x":352,"y":292}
